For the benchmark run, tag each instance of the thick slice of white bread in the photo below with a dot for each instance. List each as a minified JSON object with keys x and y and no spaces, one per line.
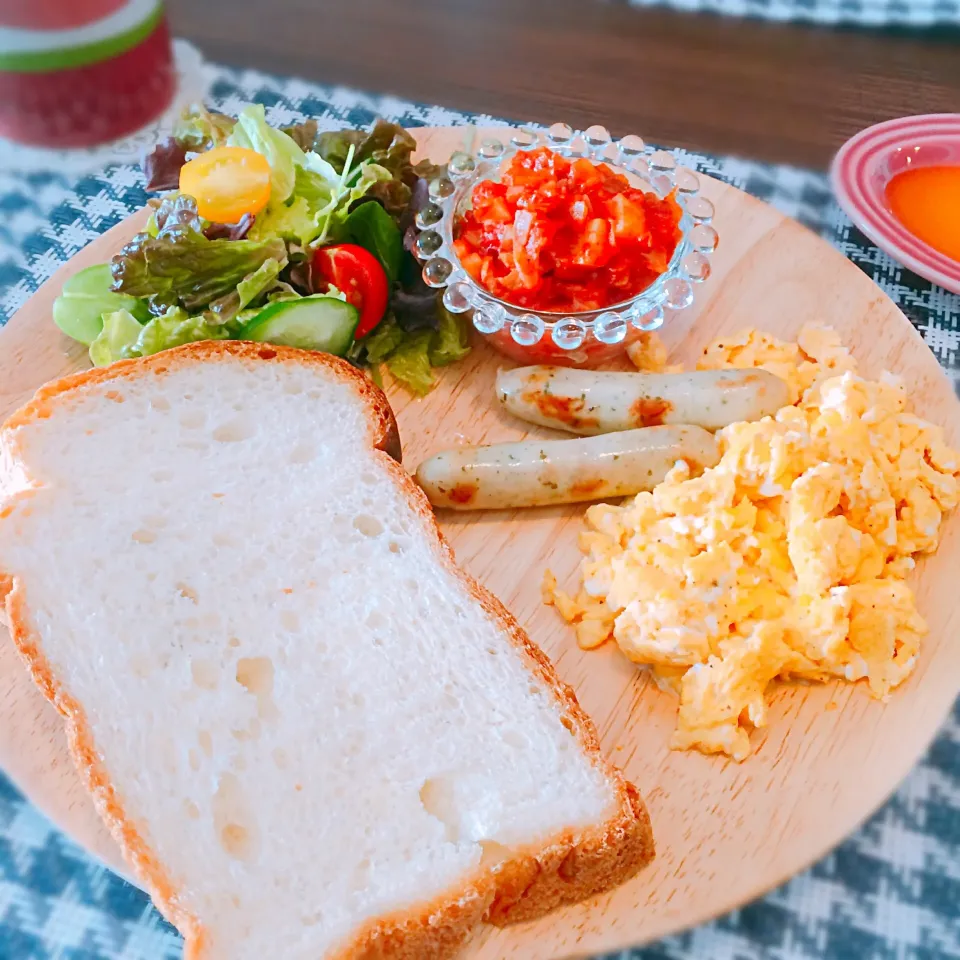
{"x":312,"y":735}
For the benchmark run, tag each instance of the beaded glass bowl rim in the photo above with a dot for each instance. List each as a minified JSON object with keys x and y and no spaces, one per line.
{"x":657,"y":168}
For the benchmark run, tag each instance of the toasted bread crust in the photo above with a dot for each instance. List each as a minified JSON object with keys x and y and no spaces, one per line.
{"x":564,"y":869}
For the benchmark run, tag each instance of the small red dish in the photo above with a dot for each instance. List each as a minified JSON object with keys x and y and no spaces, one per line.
{"x":865,"y":165}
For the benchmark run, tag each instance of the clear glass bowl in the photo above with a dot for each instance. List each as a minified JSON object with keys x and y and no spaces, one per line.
{"x":587,"y":338}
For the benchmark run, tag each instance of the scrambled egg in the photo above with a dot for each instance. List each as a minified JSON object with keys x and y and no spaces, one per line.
{"x":648,"y":353}
{"x":786,"y":560}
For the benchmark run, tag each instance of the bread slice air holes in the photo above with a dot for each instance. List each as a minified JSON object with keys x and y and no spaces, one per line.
{"x":201,"y":446}
{"x":256,"y":675}
{"x":234,"y":430}
{"x":235,"y":826}
{"x":193,"y":418}
{"x":251,"y":731}
{"x":205,"y":674}
{"x":436,"y":796}
{"x":367,"y":525}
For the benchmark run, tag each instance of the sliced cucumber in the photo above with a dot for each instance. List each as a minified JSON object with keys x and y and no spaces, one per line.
{"x":86,"y":297}
{"x":311,"y":323}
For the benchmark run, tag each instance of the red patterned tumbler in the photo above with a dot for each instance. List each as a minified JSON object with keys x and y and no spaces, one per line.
{"x":76,"y":73}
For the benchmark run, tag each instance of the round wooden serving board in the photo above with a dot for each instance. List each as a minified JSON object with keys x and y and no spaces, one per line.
{"x":725,"y":832}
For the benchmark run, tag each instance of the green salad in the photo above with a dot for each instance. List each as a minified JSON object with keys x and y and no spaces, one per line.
{"x":291,"y":236}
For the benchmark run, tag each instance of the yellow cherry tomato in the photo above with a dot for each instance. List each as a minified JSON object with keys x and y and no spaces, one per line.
{"x":227,"y":182}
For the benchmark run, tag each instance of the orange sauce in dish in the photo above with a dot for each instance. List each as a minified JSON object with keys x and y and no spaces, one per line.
{"x":926,"y":200}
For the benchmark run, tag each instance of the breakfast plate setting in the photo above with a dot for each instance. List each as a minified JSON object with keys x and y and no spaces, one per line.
{"x":478,"y":541}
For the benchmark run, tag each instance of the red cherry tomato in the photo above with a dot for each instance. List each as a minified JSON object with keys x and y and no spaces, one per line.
{"x":358,"y":273}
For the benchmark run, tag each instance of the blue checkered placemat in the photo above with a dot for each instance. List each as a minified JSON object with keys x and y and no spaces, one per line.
{"x":909,"y":14}
{"x":890,"y":892}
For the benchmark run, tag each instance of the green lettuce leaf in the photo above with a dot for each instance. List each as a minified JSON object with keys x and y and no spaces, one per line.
{"x":249,"y":289}
{"x":347,"y":191}
{"x":410,"y":362}
{"x":318,"y":206}
{"x":383,"y":340}
{"x":173,"y":329}
{"x":284,"y":156}
{"x":412,"y":357}
{"x":199,"y":129}
{"x":291,"y":221}
{"x":261,"y":280}
{"x":314,"y":187}
{"x":120,"y":332}
{"x":181,"y":267}
{"x":347,"y":199}
{"x":284,"y":291}
{"x":371,"y":227}
{"x":390,"y":148}
{"x":327,"y":172}
{"x":334,"y":146}
{"x":450,"y":340}
{"x":337,"y":294}
{"x":387,"y":144}
{"x":300,"y":217}
{"x":123,"y":337}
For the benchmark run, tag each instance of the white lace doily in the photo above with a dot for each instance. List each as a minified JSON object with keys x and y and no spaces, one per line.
{"x":194,"y":79}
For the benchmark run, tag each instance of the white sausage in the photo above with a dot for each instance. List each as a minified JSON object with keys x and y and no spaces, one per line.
{"x":589,"y":402}
{"x":538,"y":472}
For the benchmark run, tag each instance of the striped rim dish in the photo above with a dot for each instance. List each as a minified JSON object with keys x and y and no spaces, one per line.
{"x":866,"y":163}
